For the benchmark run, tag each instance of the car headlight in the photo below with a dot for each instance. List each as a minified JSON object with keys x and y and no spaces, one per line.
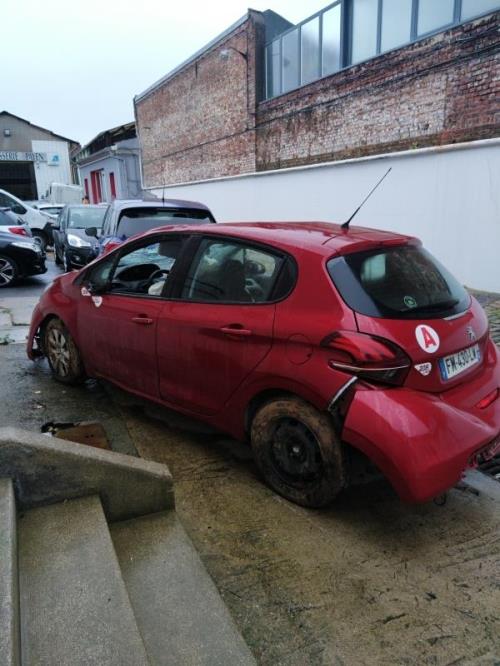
{"x":27,"y":245}
{"x":76,"y":241}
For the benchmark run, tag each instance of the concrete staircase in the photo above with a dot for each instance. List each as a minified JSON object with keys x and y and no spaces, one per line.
{"x":95,"y":567}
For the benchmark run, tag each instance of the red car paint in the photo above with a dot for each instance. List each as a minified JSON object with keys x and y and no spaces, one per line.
{"x":213,"y":361}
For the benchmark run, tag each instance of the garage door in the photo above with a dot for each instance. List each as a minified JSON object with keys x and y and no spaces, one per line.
{"x":18,"y":178}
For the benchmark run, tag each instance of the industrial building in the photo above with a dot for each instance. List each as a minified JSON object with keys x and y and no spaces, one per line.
{"x":272,"y":120}
{"x":31,"y":157}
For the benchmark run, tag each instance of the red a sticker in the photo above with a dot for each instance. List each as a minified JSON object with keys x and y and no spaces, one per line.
{"x":427,"y":338}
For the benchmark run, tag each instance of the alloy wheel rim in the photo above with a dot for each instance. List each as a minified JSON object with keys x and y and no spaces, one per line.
{"x":58,"y":352}
{"x":295,"y":453}
{"x":6,"y":272}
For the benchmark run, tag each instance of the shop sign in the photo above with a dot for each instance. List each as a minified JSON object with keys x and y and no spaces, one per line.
{"x":16,"y":156}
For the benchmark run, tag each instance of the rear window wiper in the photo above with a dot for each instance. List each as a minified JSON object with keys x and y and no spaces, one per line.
{"x":440,"y":305}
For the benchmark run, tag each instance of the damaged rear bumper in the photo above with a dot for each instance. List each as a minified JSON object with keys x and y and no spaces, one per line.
{"x":423,"y":442}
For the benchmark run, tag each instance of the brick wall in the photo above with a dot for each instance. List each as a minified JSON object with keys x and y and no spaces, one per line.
{"x":200,"y":123}
{"x":204,"y":121}
{"x":444,"y":89}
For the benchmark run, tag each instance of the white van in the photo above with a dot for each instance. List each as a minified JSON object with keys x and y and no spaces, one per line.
{"x":37,"y":221}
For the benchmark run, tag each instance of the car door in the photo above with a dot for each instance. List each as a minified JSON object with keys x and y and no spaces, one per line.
{"x":219,"y":327}
{"x":119,"y":311}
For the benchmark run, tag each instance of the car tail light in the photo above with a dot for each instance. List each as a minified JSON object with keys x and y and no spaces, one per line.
{"x":489,"y":399}
{"x":20,"y":231}
{"x":367,"y":356}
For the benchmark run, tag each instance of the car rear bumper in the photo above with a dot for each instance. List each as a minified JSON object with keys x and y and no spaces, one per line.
{"x":423,"y":442}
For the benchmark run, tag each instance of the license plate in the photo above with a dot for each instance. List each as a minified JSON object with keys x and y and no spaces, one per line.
{"x":453,"y":365}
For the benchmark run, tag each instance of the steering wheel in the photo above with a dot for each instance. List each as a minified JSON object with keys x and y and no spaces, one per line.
{"x":156,"y":276}
{"x":253,"y":289}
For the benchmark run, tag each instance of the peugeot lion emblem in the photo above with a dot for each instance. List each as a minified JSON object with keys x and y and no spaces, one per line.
{"x":470,"y":334}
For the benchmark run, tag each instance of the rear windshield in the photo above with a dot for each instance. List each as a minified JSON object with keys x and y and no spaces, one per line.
{"x":403,"y":282}
{"x":137,"y":220}
{"x":84,"y":217}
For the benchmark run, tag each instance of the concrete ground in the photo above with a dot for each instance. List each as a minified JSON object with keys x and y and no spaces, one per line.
{"x":368,"y":581}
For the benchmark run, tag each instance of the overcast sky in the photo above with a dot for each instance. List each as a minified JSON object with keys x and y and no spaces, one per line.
{"x":74,"y":67}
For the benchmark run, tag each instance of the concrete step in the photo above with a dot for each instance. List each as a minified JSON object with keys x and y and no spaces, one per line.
{"x":181,"y":616}
{"x":9,"y":589}
{"x":75,"y":610}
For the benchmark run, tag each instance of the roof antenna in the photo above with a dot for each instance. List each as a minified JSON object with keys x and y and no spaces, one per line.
{"x":163,"y":196}
{"x":346,"y":224}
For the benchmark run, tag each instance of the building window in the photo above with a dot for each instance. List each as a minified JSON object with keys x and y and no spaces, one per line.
{"x":434,"y":14}
{"x":290,"y":60}
{"x":396,"y":23}
{"x":348,"y":32}
{"x":364,"y":29}
{"x":471,"y":8}
{"x":273,"y":64}
{"x":309,"y":44}
{"x":112,"y":185}
{"x":331,"y":40}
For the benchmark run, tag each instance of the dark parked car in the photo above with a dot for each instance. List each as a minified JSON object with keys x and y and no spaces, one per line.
{"x":125,"y":219}
{"x":72,"y":246}
{"x":311,"y":341}
{"x":19,"y":257}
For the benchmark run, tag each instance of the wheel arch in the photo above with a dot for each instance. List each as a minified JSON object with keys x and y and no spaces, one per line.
{"x":263,"y":397}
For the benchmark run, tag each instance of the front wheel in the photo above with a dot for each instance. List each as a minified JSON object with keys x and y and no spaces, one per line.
{"x":8,"y":271}
{"x":298,"y":452}
{"x":67,"y":266}
{"x":62,"y":353}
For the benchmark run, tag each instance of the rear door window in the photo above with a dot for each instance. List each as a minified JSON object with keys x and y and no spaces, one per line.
{"x":231,"y":272}
{"x":403,"y":282}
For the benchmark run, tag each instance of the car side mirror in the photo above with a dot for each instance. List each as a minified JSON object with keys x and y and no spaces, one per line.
{"x":91,"y":231}
{"x":95,"y":289}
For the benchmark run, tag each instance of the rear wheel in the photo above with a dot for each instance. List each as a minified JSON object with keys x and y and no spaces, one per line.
{"x":62,"y":353}
{"x":8,"y":271}
{"x":40,"y":238}
{"x":298,"y":452}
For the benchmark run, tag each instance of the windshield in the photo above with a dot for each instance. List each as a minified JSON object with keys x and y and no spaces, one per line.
{"x":84,"y":217}
{"x":404,"y":282}
{"x":138,"y":220}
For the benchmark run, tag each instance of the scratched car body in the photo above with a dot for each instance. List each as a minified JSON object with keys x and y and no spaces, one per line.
{"x":312,"y":342}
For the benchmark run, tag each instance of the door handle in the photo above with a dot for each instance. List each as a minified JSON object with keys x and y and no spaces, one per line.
{"x":145,"y":321}
{"x":236,"y":330}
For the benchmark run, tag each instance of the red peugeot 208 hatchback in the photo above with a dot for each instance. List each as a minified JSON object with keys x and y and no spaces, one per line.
{"x":310,"y":340}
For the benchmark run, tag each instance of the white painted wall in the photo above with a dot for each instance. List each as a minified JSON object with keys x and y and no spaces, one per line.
{"x":45,"y":173}
{"x":447,"y":196}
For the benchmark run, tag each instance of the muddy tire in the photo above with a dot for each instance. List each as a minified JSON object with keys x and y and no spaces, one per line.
{"x":298,"y":452}
{"x":62,"y":353}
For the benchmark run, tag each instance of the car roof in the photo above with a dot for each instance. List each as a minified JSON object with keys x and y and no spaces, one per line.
{"x":324,"y":238}
{"x":167,"y":203}
{"x":84,"y":206}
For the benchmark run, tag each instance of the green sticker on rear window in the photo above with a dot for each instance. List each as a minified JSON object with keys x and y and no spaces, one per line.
{"x":410,"y":302}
